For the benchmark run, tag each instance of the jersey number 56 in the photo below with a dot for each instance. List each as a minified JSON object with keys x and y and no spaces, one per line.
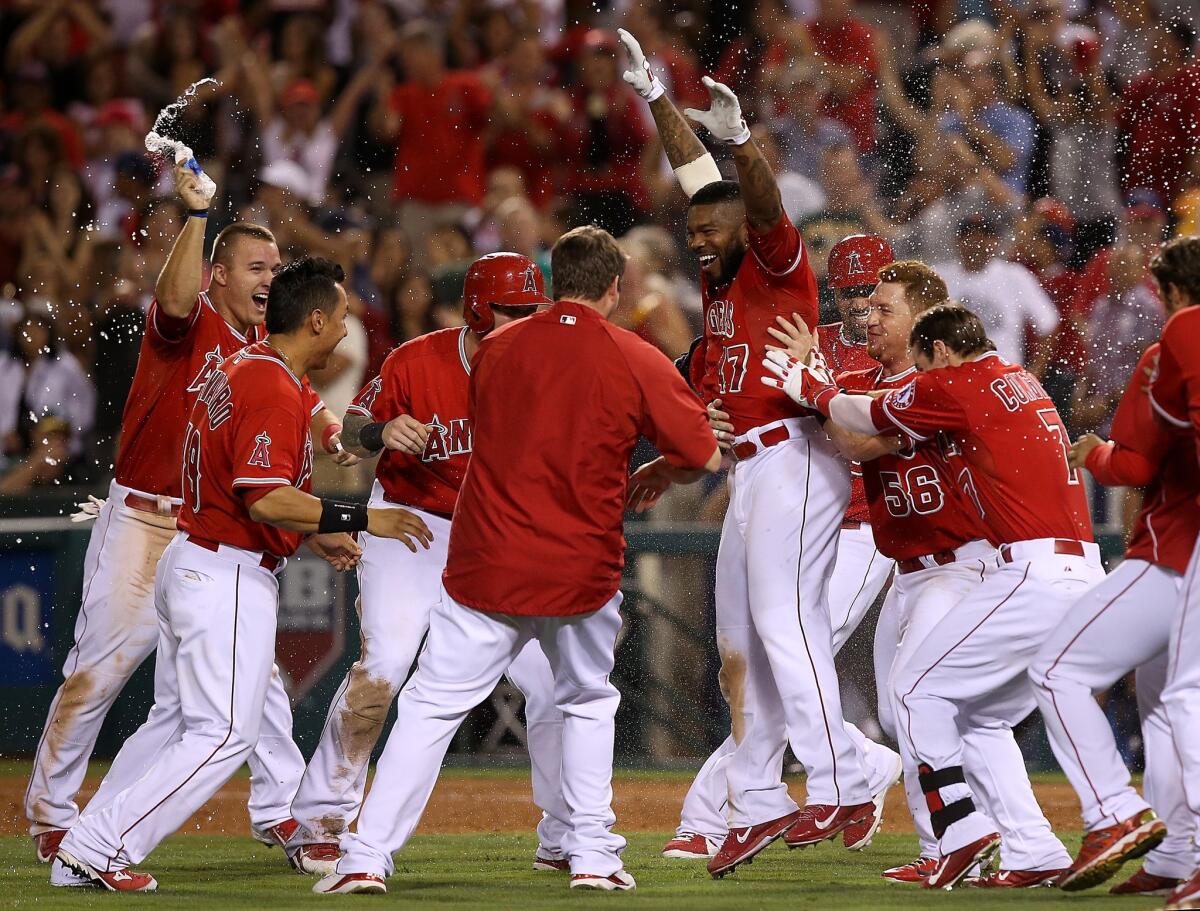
{"x":917,"y":490}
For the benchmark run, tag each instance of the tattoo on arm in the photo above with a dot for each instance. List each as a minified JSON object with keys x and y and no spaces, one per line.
{"x":680,"y":142}
{"x":760,"y":192}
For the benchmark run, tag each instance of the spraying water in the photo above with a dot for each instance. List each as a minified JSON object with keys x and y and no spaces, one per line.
{"x":158,"y":143}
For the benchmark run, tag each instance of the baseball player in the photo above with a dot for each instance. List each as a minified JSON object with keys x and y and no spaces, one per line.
{"x":188,"y":334}
{"x":859,"y":573}
{"x":1007,"y":450}
{"x":247,"y":466}
{"x":1175,"y":394}
{"x":416,"y":411}
{"x":921,"y":520}
{"x":536,"y":552}
{"x":1119,"y":626}
{"x":779,"y":539}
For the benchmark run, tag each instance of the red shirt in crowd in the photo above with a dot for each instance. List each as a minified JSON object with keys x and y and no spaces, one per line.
{"x":1160,"y":120}
{"x":1006,"y":442}
{"x":1146,"y":452}
{"x":774,"y":279}
{"x":558,"y":401}
{"x":248,"y":434}
{"x":177,"y":357}
{"x":440,"y":149}
{"x":850,"y":43}
{"x":916,"y":509}
{"x":842,"y":356}
{"x":426,"y":378}
{"x":1175,"y":388}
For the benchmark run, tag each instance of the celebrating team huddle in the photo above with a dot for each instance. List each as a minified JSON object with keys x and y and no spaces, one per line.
{"x":893,"y":451}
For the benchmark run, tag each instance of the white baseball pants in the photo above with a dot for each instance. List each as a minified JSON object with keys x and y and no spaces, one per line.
{"x":116,"y":630}
{"x":1122,"y":624}
{"x":217,"y":613}
{"x":920,"y":603}
{"x":397,"y":591}
{"x":1181,"y":695}
{"x":971,"y":670}
{"x":860,"y":573}
{"x":465,"y":654}
{"x":778,"y":546}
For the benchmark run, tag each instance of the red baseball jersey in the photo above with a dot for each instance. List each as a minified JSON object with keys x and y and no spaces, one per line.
{"x":178,"y":356}
{"x":558,"y":401}
{"x":247,"y":435}
{"x":1009,"y":446}
{"x":426,"y":378}
{"x":1175,"y":388}
{"x":915,"y":507}
{"x":843,"y":356}
{"x":1146,"y":452}
{"x":774,"y":279}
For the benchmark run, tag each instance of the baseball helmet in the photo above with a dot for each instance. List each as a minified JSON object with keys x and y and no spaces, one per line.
{"x":500,"y":279}
{"x":857,"y":259}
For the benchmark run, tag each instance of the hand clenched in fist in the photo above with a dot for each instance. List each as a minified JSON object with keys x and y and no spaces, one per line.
{"x":405,"y":434}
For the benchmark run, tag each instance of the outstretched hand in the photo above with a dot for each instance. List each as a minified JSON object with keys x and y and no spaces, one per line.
{"x":638,"y":74}
{"x":723,"y":119}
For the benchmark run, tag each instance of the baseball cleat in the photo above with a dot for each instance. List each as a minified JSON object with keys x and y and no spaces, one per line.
{"x":319,"y":859}
{"x":743,"y":842}
{"x":821,"y":822}
{"x":543,"y":864}
{"x":46,"y":844}
{"x":1143,"y":883}
{"x":63,"y":876}
{"x":913,"y":872}
{"x":617,"y":882}
{"x":276,"y":836}
{"x":350,"y":884}
{"x":952,"y":867}
{"x":858,"y":835}
{"x":690,"y":846}
{"x":1016,"y":879}
{"x":1186,"y":896}
{"x":114,"y":881}
{"x":1105,"y":850}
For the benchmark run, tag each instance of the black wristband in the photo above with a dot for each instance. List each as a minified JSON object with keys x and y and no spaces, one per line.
{"x":197,"y":213}
{"x":340,"y":515}
{"x":371,"y":436}
{"x":683,"y":363}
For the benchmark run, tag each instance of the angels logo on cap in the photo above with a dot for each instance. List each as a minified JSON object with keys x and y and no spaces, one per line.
{"x":854,"y":266}
{"x":530,"y":282}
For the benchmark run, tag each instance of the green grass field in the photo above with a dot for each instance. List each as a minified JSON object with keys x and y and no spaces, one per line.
{"x":473,"y":871}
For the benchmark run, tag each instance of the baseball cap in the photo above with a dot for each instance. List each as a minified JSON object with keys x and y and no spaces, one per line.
{"x":302,"y":91}
{"x":857,"y":259}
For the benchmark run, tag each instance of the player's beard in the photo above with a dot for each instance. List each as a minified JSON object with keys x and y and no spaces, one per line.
{"x":731,"y":261}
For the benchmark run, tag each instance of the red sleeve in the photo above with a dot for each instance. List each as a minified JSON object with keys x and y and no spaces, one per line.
{"x":1134,"y":425}
{"x":383,"y":398}
{"x":920,"y":409}
{"x":266,"y":451}
{"x":1175,"y":385}
{"x":672,"y":417}
{"x":172,"y":329}
{"x":779,"y":251}
{"x":696,"y":366}
{"x":1114,"y":465}
{"x":856,"y":380}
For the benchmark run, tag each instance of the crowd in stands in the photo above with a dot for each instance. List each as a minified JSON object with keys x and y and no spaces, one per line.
{"x":1037,"y":152}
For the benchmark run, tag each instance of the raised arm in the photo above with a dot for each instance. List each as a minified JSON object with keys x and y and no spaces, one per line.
{"x":183,"y":272}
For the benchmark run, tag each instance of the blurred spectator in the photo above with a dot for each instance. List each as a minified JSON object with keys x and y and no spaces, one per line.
{"x":38,"y":378}
{"x":807,"y":133}
{"x":801,"y":195}
{"x":647,"y":306}
{"x":1004,"y":294}
{"x":47,"y":461}
{"x":847,"y":48}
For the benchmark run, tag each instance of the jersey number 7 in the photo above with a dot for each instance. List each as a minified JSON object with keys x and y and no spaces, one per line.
{"x":1052,"y":422}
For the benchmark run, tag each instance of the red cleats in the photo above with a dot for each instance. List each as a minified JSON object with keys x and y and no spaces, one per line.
{"x":318,"y":859}
{"x":1105,"y":850}
{"x":1016,"y":879}
{"x":618,"y":882}
{"x":279,"y":834}
{"x":690,"y":846}
{"x":743,"y":842}
{"x":115,"y":881}
{"x":1186,"y":896}
{"x":952,"y":867}
{"x":550,"y":864}
{"x":915,"y":872}
{"x":350,"y":884}
{"x":46,"y":844}
{"x":1143,"y":883}
{"x":820,"y":822}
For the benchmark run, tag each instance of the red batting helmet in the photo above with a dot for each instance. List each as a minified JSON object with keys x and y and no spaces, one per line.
{"x":857,"y":259}
{"x":500,"y":279}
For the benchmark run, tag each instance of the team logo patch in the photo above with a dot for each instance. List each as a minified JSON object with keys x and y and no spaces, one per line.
{"x":854,"y":265}
{"x":902,"y":398}
{"x":530,"y":281}
{"x":212,"y":360}
{"x":261,"y":456}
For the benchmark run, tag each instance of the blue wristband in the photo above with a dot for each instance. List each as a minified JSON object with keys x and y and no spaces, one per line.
{"x":197,"y":213}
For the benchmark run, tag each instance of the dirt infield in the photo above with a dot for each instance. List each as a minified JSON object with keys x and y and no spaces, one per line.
{"x":477,"y":802}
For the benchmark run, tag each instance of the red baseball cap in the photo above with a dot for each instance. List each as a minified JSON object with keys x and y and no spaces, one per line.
{"x":857,"y":259}
{"x":504,"y":279}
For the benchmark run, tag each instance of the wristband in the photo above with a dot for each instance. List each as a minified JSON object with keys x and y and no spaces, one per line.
{"x":327,"y":435}
{"x":371,"y":436}
{"x":697,"y":173}
{"x":742,"y":137}
{"x":340,"y":515}
{"x":657,"y":89}
{"x":824,"y":396}
{"x":197,"y":213}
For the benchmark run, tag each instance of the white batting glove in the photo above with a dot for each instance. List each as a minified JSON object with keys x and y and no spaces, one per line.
{"x":639,"y":75}
{"x":809,"y":387}
{"x":89,"y":510}
{"x":724,"y":116}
